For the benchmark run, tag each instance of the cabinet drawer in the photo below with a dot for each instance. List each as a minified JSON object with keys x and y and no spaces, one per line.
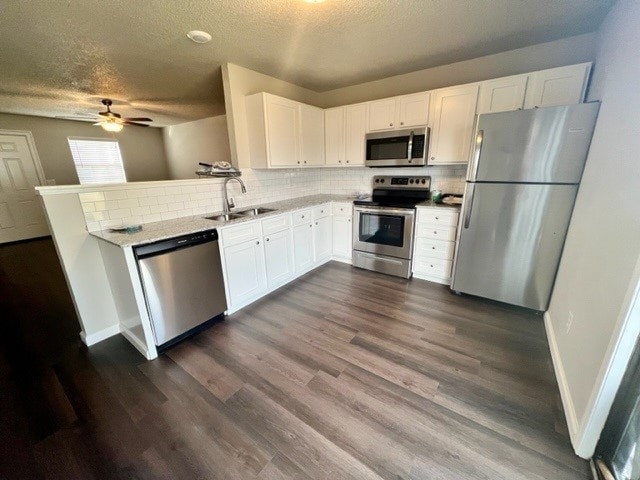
{"x":301,"y":216}
{"x":276,"y":224}
{"x":321,"y":211}
{"x":235,"y":234}
{"x":429,"y":248}
{"x":436,"y":232}
{"x":438,"y":216}
{"x":343,"y":209}
{"x":433,"y":266}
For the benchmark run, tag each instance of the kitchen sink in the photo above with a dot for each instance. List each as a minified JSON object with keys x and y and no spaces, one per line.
{"x":256,"y":211}
{"x":225,"y":217}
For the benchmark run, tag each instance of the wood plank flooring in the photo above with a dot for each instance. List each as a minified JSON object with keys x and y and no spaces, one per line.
{"x":342,"y":374}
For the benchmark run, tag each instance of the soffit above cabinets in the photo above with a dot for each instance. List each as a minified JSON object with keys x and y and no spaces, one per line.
{"x":61,"y":57}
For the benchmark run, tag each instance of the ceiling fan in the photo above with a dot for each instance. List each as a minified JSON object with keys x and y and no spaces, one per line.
{"x":113,"y":122}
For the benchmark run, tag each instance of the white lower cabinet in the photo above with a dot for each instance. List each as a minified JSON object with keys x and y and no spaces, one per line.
{"x":245,"y":272}
{"x":303,"y":247}
{"x":342,"y":232}
{"x":264,"y":254}
{"x":322,"y":240}
{"x":278,"y":254}
{"x":435,"y":243}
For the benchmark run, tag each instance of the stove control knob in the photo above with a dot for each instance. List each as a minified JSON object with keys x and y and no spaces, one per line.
{"x":377,"y":180}
{"x":411,"y":181}
{"x":382,"y":180}
{"x":424,"y":181}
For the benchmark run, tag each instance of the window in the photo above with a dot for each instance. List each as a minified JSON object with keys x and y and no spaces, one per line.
{"x":97,"y":160}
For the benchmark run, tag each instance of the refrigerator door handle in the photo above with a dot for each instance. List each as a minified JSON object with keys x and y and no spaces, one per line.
{"x":475,"y":158}
{"x":469,"y":203}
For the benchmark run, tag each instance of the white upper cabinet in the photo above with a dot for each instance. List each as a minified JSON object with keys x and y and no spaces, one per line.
{"x":399,"y":112}
{"x":452,"y":116}
{"x":284,"y":133}
{"x":334,"y":133}
{"x":382,"y":115}
{"x":413,"y":110}
{"x":311,"y":135}
{"x":502,"y":94}
{"x":355,"y":129}
{"x":557,"y":86}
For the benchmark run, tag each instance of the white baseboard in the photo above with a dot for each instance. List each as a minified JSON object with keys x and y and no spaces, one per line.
{"x":140,"y":346}
{"x":565,"y":394}
{"x":342,"y":260}
{"x":100,"y":335}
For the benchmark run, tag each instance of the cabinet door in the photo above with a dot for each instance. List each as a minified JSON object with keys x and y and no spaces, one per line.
{"x":322,"y":242}
{"x":356,"y":123}
{"x":382,"y":115}
{"x":334,"y":130}
{"x":413,"y":110}
{"x":245,"y":271}
{"x":342,"y":237}
{"x":312,"y":135}
{"x":452,"y":118}
{"x":282,"y":131}
{"x":502,"y":94}
{"x":278,"y":258}
{"x":303,"y":247}
{"x":557,"y":86}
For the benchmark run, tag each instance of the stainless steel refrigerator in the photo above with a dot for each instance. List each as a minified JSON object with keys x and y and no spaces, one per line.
{"x":522,"y":182}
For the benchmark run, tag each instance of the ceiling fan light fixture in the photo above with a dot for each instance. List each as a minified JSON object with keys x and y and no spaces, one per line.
{"x":111,"y":126}
{"x":199,"y":36}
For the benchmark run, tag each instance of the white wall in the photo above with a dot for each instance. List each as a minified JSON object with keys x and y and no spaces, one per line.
{"x":599,"y":272}
{"x":186,"y":144}
{"x":239,"y":82}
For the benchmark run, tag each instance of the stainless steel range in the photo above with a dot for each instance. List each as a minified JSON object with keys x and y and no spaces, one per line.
{"x":383,"y":224}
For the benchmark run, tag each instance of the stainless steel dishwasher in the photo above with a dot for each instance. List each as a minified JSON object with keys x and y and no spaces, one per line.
{"x":183,"y":284}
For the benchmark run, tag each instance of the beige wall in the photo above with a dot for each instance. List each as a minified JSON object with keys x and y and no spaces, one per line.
{"x":566,"y":51}
{"x":205,"y":140}
{"x":238,"y":82}
{"x":142,"y":148}
{"x":599,"y":271}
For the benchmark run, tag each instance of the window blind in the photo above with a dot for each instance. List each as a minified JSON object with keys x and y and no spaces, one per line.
{"x":97,"y":160}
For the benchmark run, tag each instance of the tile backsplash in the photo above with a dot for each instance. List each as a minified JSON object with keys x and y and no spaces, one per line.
{"x":135,"y":203}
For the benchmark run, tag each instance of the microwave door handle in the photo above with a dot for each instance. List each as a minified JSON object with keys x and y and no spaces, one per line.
{"x":410,"y":147}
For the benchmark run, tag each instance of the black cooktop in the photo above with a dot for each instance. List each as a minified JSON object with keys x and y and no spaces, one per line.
{"x":397,"y":192}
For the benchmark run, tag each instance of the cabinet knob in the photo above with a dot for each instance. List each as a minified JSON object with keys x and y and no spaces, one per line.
{"x":349,"y":220}
{"x":435,"y":232}
{"x":339,"y":161}
{"x":347,"y":161}
{"x":433,"y":158}
{"x":401,"y":123}
{"x":298,"y":162}
{"x":267,"y":239}
{"x":316,"y":223}
{"x":310,"y":225}
{"x":433,"y":248}
{"x":431,"y":266}
{"x":257,"y":243}
{"x":437,"y":218}
{"x":301,"y":216}
{"x":305,"y":161}
{"x":391,"y":124}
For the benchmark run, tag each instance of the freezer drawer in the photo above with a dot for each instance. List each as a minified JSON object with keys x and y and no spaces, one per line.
{"x":510,"y":241}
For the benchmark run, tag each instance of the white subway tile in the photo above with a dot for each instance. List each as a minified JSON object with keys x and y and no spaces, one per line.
{"x":88,"y":207}
{"x":140,"y":210}
{"x":148,"y":201}
{"x":93,"y":226}
{"x":106,"y":205}
{"x":119,"y":213}
{"x":136,"y":193}
{"x":128,"y":203}
{"x":91,"y":197}
{"x":158,"y":208}
{"x":169,"y":215}
{"x":115,"y":194}
{"x":95,"y":216}
{"x":172,"y":207}
{"x":152,"y":217}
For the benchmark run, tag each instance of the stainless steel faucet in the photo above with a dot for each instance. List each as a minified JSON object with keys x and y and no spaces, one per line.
{"x":228,"y":203}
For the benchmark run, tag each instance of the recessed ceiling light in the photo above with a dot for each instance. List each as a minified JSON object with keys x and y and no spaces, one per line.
{"x":199,"y":36}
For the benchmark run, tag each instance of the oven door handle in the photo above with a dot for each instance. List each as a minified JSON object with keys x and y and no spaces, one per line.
{"x":386,"y":211}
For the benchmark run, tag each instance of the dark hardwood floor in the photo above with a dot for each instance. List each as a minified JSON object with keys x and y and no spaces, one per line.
{"x":342,"y":374}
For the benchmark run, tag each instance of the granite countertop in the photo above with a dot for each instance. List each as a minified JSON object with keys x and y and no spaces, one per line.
{"x":153,"y":232}
{"x":429,"y":203}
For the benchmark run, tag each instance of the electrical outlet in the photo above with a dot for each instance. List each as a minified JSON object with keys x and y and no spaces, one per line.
{"x":569,"y":321}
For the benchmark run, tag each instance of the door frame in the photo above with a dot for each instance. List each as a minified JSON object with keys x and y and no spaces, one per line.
{"x":28,"y":136}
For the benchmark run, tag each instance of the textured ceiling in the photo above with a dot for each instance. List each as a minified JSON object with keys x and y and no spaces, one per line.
{"x":59,"y":57}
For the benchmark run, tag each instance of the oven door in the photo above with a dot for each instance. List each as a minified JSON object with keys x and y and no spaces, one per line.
{"x":385,"y":231}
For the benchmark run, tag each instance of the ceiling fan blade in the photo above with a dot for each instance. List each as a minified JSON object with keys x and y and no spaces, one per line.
{"x":137,"y":119}
{"x":125,"y":122}
{"x":76,"y":117}
{"x":97,"y":124}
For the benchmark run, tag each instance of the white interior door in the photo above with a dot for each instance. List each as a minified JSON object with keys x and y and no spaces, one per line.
{"x":21,"y":213}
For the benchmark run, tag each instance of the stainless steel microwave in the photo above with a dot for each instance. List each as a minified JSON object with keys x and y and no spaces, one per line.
{"x":398,"y":148}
